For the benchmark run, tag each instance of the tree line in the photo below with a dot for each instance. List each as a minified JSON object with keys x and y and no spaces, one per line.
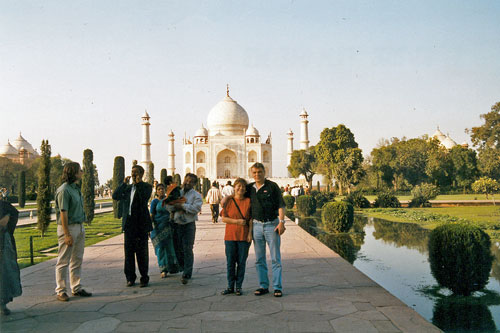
{"x":401,"y":164}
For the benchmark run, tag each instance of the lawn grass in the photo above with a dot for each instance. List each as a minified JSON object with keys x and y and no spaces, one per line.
{"x":103,"y":226}
{"x":456,"y":197}
{"x":486,"y":217}
{"x":32,"y":204}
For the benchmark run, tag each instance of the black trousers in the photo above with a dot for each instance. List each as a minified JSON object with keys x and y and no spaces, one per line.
{"x":184,"y":235}
{"x":136,"y":246}
{"x":215,"y":212}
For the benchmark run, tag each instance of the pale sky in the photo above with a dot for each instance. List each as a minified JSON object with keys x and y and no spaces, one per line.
{"x":81,"y":73}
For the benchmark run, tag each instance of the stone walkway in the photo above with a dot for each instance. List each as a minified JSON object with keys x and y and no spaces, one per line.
{"x":322,"y":293}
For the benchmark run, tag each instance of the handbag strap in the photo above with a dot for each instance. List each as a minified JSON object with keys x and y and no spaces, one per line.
{"x":238,"y":207}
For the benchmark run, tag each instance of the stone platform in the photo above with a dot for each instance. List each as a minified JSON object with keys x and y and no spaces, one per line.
{"x":322,"y":293}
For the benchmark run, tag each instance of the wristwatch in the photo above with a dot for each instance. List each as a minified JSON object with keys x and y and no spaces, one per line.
{"x":282,"y":221}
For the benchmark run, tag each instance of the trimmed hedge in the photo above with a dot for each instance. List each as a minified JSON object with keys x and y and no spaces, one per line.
{"x":337,"y":216}
{"x":422,"y":194}
{"x":322,"y":197}
{"x":306,"y":205}
{"x":289,"y":201}
{"x":386,"y":200}
{"x":460,"y":257}
{"x":357,"y":199}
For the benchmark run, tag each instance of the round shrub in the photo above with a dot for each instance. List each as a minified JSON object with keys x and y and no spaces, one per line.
{"x":422,"y":194}
{"x":460,"y":257}
{"x":337,"y":216}
{"x":357,"y":200}
{"x":289,"y":201}
{"x":306,"y":205}
{"x":322,"y":197}
{"x":386,"y":200}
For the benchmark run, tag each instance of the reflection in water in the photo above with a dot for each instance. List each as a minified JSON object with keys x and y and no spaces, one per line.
{"x":409,"y":235}
{"x":395,"y":256}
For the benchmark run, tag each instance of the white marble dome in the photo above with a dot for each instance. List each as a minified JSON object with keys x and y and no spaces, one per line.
{"x":252,"y":131}
{"x":8,"y":150}
{"x":21,"y":142}
{"x":448,"y":142}
{"x":228,"y":118}
{"x":202,"y":131}
{"x":439,"y":135}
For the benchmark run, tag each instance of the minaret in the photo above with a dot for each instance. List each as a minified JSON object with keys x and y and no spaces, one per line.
{"x":304,"y":134}
{"x":290,"y":149}
{"x":146,"y":144}
{"x":171,"y":154}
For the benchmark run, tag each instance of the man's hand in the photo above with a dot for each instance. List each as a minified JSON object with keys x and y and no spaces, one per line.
{"x":179,"y":206}
{"x":280,"y":228}
{"x":68,"y":240}
{"x":126,"y":180}
{"x":249,"y":237}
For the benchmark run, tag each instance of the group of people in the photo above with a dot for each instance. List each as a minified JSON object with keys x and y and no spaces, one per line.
{"x":252,"y":211}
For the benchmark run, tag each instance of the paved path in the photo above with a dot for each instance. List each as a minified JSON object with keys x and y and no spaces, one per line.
{"x":322,"y":293}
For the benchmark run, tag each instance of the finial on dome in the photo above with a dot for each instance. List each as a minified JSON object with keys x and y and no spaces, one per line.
{"x":227,"y":90}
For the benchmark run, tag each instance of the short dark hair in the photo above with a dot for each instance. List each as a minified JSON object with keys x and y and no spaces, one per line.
{"x":228,"y":182}
{"x":168,"y":180}
{"x":240,"y":181}
{"x":71,"y":169}
{"x":160,"y":185}
{"x":214,"y":184}
{"x":140,"y":168}
{"x":192,"y":175}
{"x":258,"y":165}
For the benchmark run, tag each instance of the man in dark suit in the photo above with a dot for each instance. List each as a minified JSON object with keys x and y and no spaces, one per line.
{"x":136,"y":224}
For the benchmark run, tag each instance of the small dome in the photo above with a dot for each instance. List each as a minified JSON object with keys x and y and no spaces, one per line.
{"x":448,"y":143}
{"x":290,"y":133}
{"x":439,"y":135}
{"x":8,"y":150}
{"x":202,"y":131}
{"x":146,"y":115}
{"x":252,"y":131}
{"x":228,"y":118}
{"x":304,"y":113}
{"x":21,"y":142}
{"x":171,"y":133}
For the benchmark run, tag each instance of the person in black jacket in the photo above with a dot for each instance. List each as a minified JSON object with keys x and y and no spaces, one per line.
{"x":136,"y":224}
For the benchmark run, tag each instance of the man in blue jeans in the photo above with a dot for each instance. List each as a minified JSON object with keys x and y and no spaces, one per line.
{"x":268,"y":214}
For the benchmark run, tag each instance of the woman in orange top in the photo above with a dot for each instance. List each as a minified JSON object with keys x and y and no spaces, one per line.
{"x":237,"y":216}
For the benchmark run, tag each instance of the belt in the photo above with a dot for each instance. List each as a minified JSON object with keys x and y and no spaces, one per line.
{"x":264,"y":222}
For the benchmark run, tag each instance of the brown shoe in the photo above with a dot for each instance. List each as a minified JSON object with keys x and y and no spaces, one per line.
{"x":82,"y":293}
{"x":63,"y":297}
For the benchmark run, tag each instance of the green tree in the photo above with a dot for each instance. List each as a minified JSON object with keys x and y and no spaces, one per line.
{"x":44,"y":196}
{"x":384,"y":164}
{"x":8,"y":172}
{"x":489,"y":162}
{"x":487,"y":186}
{"x":118,"y":176}
{"x":439,"y":167}
{"x":488,"y":134}
{"x":303,"y":162}
{"x":163,"y":175}
{"x":21,"y":185}
{"x":88,"y":185}
{"x":338,"y":152}
{"x":465,"y":169}
{"x":151,"y":173}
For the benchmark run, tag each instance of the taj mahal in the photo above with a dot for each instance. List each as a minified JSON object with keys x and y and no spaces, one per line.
{"x":227,"y":147}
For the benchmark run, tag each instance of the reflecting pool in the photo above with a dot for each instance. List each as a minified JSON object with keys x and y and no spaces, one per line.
{"x":395,"y":256}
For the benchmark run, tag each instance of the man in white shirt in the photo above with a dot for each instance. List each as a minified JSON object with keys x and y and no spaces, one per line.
{"x":228,"y":189}
{"x":213,"y":198}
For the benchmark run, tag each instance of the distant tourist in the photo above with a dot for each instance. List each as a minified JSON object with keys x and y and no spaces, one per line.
{"x":136,"y":224}
{"x":213,"y":198}
{"x":186,"y":214}
{"x":10,"y":277}
{"x":162,"y":234}
{"x":70,"y":232}
{"x":228,"y":189}
{"x":238,"y":236}
{"x":268,"y":214}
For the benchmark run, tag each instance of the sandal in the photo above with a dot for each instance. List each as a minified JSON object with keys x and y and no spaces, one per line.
{"x":278,"y":293}
{"x":238,"y":292}
{"x":163,"y":275}
{"x":261,"y":291}
{"x":227,"y":291}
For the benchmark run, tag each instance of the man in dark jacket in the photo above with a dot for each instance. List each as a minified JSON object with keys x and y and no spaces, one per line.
{"x":136,"y":224}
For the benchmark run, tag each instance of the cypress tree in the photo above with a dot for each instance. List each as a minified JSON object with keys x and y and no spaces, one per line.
{"x":205,"y":187}
{"x":88,"y":184}
{"x":151,"y":173}
{"x":163,"y":175}
{"x":43,"y":198}
{"x":118,"y":176}
{"x":177,"y":179}
{"x":21,"y":185}
{"x":318,"y":186}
